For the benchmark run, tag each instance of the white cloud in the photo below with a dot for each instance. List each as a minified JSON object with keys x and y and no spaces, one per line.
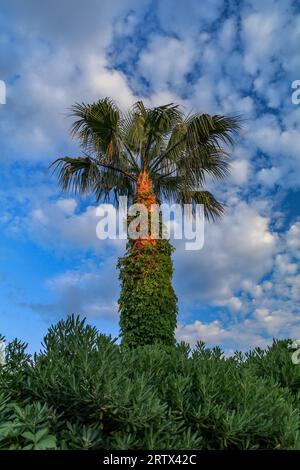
{"x":190,"y":17}
{"x":211,"y":333}
{"x":89,"y":290}
{"x":59,"y":224}
{"x":55,"y":67}
{"x":166,"y":60}
{"x":256,"y":30}
{"x":227,"y":34}
{"x":269,"y":176}
{"x":239,"y":336}
{"x":293,"y":238}
{"x":67,"y":206}
{"x":234,"y":304}
{"x":240,"y":171}
{"x":241,"y":246}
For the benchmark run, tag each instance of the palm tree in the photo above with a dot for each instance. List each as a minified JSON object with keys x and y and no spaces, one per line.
{"x":151,"y":156}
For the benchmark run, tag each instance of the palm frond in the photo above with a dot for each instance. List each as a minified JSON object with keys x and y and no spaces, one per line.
{"x":98,"y":127}
{"x":82,"y":175}
{"x":176,"y":189}
{"x":212,"y":208}
{"x":213,"y":129}
{"x":76,"y":174}
{"x":177,"y":152}
{"x":197,"y":136}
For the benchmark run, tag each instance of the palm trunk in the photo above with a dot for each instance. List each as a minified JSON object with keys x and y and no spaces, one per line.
{"x":145,"y":195}
{"x":147,"y":304}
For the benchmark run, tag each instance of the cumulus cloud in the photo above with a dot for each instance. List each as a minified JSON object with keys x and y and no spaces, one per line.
{"x":189,"y":17}
{"x":240,"y":170}
{"x":233,"y":337}
{"x":241,"y":246}
{"x":269,"y":176}
{"x":166,"y":60}
{"x":55,"y":67}
{"x":58,"y":223}
{"x":90,"y":290}
{"x":265,"y":309}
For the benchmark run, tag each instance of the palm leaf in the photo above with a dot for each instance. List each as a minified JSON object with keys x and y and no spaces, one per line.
{"x":177,"y":152}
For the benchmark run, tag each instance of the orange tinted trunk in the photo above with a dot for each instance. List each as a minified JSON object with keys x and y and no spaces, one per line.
{"x":145,"y":195}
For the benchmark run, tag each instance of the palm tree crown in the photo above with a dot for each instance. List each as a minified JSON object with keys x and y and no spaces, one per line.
{"x":173,"y":152}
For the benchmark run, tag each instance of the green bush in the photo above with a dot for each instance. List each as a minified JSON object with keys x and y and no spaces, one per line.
{"x":83,"y":391}
{"x":26,"y":427}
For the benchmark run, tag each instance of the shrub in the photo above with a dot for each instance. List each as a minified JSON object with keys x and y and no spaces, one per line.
{"x":83,"y":391}
{"x":26,"y":427}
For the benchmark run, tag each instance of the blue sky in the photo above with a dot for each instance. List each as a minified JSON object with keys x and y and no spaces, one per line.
{"x":222,"y":57}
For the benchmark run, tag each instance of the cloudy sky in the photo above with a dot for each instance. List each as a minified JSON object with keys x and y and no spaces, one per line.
{"x":222,"y":57}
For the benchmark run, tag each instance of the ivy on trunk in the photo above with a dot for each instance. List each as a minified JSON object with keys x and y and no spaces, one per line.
{"x":148,"y":303}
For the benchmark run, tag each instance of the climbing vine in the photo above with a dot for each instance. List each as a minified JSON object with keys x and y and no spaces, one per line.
{"x":148,"y":303}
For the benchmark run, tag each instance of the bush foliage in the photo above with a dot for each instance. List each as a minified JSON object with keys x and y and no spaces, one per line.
{"x":84,"y":391}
